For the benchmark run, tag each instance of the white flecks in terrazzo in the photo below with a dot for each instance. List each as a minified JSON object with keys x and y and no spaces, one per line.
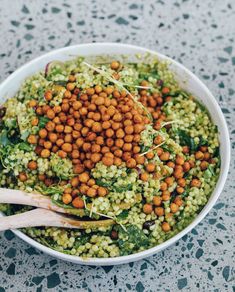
{"x":200,"y":34}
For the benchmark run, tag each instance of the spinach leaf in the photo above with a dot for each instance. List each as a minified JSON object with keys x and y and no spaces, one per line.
{"x":123,"y":215}
{"x":101,"y":183}
{"x":144,"y":148}
{"x":42,"y":122}
{"x":120,"y":189}
{"x":186,"y":140}
{"x":216,"y":152}
{"x":202,"y":141}
{"x":61,"y":83}
{"x":136,"y":239}
{"x":50,"y":190}
{"x":82,"y":240}
{"x":24,"y":146}
{"x":4,"y":140}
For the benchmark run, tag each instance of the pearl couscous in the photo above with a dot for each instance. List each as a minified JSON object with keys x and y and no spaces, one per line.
{"x":112,"y":140}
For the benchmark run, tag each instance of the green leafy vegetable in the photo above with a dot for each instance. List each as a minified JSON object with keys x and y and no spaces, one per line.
{"x":216,"y":152}
{"x":42,"y":122}
{"x":4,"y":140}
{"x":123,"y":215}
{"x":186,"y":139}
{"x":24,"y":146}
{"x":53,"y":190}
{"x":136,"y":239}
{"x":120,"y":189}
{"x":102,"y":183}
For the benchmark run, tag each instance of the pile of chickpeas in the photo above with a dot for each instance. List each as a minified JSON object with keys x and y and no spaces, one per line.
{"x":104,"y":124}
{"x":100,"y":124}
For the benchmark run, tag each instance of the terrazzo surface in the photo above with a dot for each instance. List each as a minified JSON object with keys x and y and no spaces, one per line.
{"x":199,"y":34}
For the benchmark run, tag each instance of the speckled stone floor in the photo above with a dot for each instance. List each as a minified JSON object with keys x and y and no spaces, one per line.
{"x":201,"y":35}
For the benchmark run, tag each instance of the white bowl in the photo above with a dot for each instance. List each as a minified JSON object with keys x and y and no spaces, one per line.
{"x":187,"y":80}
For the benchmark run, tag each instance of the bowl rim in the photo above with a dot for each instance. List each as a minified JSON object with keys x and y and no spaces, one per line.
{"x":146,"y":253}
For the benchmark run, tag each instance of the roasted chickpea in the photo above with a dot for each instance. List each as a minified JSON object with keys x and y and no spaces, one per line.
{"x":48,"y":95}
{"x":165,"y":156}
{"x":117,"y":161}
{"x":166,"y":226}
{"x":149,"y":155}
{"x":96,"y":127}
{"x":178,"y":201}
{"x":108,"y":161}
{"x":144,"y":176}
{"x":78,"y":203}
{"x":114,"y":65}
{"x":42,"y":133}
{"x":157,"y":201}
{"x":204,"y":165}
{"x":147,"y":208}
{"x":195,"y":183}
{"x":127,"y":147}
{"x":139,"y":159}
{"x":150,"y":167}
{"x":32,"y":165}
{"x":78,"y":168}
{"x":186,"y":166}
{"x":179,"y":190}
{"x":84,"y":177}
{"x":174,"y":207}
{"x":67,"y":147}
{"x":34,"y":121}
{"x":199,"y":155}
{"x":50,"y":126}
{"x":181,"y":182}
{"x":131,"y":163}
{"x":95,"y":157}
{"x":159,"y":211}
{"x":32,"y":139}
{"x":22,"y":176}
{"x":91,"y":192}
{"x":45,"y":153}
{"x":102,"y":192}
{"x":120,"y":133}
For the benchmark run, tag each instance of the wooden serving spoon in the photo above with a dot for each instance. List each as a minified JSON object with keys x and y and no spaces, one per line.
{"x":17,"y":197}
{"x":43,"y":217}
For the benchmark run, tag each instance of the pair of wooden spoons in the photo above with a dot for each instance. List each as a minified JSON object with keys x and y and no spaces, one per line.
{"x":46,"y":213}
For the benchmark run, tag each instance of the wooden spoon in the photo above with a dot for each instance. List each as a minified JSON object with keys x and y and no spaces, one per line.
{"x":43,"y":217}
{"x":9,"y":196}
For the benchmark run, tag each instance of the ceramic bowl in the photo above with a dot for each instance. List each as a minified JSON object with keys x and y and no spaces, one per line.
{"x":187,"y":80}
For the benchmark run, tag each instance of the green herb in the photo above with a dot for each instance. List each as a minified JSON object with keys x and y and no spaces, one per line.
{"x":42,"y":122}
{"x":101,"y":183}
{"x":120,"y":189}
{"x":123,"y":215}
{"x":186,"y":139}
{"x":216,"y":152}
{"x":202,"y":141}
{"x":209,"y":172}
{"x":4,"y":141}
{"x":185,"y":193}
{"x":24,"y":146}
{"x":82,"y":240}
{"x":61,"y":83}
{"x":201,"y":106}
{"x":50,"y":190}
{"x":144,"y":148}
{"x":136,"y":239}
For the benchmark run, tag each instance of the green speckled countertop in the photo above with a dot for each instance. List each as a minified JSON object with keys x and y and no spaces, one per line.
{"x":199,"y":34}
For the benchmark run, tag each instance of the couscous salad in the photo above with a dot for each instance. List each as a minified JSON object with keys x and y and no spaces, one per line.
{"x":109,"y":140}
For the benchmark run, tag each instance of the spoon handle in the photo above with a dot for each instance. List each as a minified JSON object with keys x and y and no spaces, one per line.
{"x":43,"y":217}
{"x":18,"y":197}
